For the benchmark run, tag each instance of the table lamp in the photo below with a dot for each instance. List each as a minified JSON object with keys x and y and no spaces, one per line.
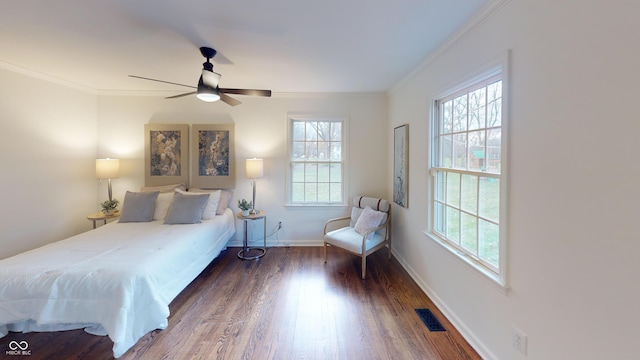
{"x":254,"y":171}
{"x":107,"y":169}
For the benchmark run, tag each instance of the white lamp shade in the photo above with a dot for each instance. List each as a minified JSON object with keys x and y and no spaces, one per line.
{"x":254,"y":168}
{"x":107,"y":168}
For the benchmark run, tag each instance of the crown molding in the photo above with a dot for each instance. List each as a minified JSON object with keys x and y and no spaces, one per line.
{"x":45,"y":77}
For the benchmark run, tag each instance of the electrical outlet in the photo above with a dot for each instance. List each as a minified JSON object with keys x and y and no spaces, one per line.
{"x":519,"y":340}
{"x":279,"y":223}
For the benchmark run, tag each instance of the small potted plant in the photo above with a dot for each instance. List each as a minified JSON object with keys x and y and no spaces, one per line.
{"x":245,"y":206}
{"x":109,"y":206}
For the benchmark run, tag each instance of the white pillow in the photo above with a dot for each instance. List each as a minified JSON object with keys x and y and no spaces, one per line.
{"x":212,"y":203}
{"x":369,"y":219}
{"x":225,"y":198}
{"x":162,"y":205}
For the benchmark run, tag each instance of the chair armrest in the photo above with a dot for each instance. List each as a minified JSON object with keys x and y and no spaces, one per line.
{"x":374,"y":230}
{"x":334,"y":220}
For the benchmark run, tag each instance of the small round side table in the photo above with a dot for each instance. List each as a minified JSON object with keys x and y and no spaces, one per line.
{"x":100,"y":216}
{"x":246,"y":252}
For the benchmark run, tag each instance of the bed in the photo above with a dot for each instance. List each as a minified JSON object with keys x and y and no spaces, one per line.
{"x":117,"y":280}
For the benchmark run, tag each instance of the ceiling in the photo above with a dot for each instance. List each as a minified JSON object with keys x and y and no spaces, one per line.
{"x":281,"y":45}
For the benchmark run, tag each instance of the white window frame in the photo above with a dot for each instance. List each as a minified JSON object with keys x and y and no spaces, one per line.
{"x":496,"y":276}
{"x":291,"y":117}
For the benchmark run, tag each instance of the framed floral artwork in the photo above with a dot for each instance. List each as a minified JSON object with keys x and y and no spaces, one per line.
{"x":213,"y":161}
{"x":400,"y":165}
{"x":166,"y":154}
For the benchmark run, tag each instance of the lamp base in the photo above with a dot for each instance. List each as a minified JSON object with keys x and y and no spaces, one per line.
{"x":253,"y":204}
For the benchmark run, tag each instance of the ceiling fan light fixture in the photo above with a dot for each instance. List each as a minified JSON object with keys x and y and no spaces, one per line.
{"x":207,"y":93}
{"x":208,"y":97}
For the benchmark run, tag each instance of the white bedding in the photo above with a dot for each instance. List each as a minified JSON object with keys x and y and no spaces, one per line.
{"x":116,"y":280}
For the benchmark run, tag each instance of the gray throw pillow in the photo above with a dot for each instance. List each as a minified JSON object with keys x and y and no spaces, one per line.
{"x":138,"y":206}
{"x":186,"y":209}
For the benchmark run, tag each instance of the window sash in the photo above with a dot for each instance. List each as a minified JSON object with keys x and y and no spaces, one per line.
{"x":452,"y":207}
{"x":316,"y":177}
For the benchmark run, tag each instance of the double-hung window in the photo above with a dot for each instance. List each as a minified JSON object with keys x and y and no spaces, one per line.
{"x":467,"y":173}
{"x":316,"y":161}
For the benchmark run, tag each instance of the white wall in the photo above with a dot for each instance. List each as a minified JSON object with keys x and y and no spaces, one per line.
{"x":260,"y":130}
{"x":573,"y":197}
{"x":48,"y":152}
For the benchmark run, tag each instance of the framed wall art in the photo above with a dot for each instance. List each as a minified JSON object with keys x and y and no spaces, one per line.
{"x":166,"y":154}
{"x":213,"y":161}
{"x":400,"y":165}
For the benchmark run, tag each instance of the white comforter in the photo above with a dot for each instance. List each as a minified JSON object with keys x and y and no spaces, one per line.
{"x":117,"y":280}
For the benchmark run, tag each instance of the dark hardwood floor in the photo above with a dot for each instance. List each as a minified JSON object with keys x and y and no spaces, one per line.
{"x":286,"y":305}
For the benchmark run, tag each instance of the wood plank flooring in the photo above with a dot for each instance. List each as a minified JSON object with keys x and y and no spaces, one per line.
{"x":286,"y":305}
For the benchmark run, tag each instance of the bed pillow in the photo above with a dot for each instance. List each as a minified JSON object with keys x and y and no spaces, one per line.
{"x":212,"y":204}
{"x":162,"y":205}
{"x":164,"y":188}
{"x":223,"y":203}
{"x":186,"y":209}
{"x":369,"y":219}
{"x":138,"y":206}
{"x":225,"y":200}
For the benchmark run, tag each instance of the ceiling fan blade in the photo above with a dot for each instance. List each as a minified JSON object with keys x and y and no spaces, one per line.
{"x":229,"y":100}
{"x":181,"y":95}
{"x":250,"y":92}
{"x":220,"y":59}
{"x":162,"y":81}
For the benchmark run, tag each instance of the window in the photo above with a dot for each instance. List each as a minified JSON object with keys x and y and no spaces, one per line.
{"x":467,"y":164}
{"x":316,"y":155}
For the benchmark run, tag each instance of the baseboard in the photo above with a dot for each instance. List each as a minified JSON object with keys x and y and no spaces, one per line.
{"x":276,"y":243}
{"x":455,"y":320}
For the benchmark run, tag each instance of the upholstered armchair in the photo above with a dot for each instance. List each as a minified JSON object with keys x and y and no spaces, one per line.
{"x":368,"y":229}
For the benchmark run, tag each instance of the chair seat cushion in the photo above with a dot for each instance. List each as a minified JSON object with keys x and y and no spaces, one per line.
{"x":348,"y":239}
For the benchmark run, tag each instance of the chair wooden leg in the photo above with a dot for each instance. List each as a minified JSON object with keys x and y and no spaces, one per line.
{"x":325,"y":253}
{"x":389,"y":250}
{"x":364,"y":266}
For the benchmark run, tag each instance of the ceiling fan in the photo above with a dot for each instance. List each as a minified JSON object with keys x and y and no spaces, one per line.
{"x":208,"y":89}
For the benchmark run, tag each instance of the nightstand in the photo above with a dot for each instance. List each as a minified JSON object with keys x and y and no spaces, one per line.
{"x":100,"y":216}
{"x":245,"y":253}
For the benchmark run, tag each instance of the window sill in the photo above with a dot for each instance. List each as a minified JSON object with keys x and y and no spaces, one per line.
{"x":491,"y":277}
